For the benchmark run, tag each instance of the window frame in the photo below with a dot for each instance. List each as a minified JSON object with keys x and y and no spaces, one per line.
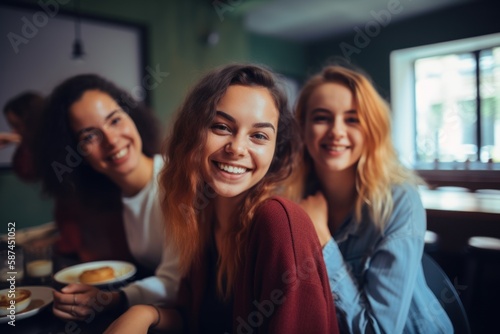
{"x":472,"y":175}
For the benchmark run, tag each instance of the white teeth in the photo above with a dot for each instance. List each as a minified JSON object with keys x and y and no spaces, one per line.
{"x":336,"y":148}
{"x":120,"y":154}
{"x":231,"y":169}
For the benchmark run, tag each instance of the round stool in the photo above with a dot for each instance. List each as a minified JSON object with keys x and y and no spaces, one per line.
{"x":486,"y":244}
{"x":431,"y":242}
{"x":482,"y":275}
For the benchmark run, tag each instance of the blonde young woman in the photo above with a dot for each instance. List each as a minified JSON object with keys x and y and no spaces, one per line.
{"x":365,"y":206}
{"x":251,"y":262}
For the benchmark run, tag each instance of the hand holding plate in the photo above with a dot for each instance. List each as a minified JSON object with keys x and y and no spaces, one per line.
{"x":81,"y":301}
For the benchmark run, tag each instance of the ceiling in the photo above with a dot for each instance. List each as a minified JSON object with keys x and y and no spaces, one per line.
{"x":306,"y":20}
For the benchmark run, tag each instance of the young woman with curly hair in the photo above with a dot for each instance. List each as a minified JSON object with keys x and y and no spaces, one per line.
{"x":97,"y":149}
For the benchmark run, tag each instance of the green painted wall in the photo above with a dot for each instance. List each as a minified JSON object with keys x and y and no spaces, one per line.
{"x":286,"y":57}
{"x":21,"y":202}
{"x":176,"y":44}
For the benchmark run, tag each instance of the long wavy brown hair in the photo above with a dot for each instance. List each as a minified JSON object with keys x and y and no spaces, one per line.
{"x":378,"y":168}
{"x":186,"y":198}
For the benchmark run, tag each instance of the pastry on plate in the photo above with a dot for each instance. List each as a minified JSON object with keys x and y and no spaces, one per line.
{"x":97,"y":275}
{"x":21,"y":298}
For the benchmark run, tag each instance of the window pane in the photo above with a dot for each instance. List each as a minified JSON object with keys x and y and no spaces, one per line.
{"x":445,"y":97}
{"x":489,"y":61}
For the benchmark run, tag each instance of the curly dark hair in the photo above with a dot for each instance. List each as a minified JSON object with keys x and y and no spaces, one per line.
{"x":62,"y":167}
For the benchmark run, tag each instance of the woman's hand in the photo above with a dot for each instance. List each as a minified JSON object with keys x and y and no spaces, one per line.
{"x":137,"y":319}
{"x":81,"y":301}
{"x":8,"y":138}
{"x":317,"y":209}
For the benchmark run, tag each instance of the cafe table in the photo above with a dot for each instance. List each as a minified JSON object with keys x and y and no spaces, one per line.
{"x":45,"y":322}
{"x":460,"y":201}
{"x":458,"y":215}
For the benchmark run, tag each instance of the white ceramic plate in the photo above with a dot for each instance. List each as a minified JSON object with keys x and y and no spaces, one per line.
{"x":41,"y":297}
{"x":123,"y":270}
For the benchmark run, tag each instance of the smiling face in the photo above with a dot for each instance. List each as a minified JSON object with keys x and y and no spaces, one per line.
{"x":107,"y":134}
{"x":332,"y":132}
{"x":240,"y":141}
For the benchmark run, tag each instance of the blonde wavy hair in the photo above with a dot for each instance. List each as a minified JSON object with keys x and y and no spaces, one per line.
{"x":186,"y":198}
{"x":378,"y":168}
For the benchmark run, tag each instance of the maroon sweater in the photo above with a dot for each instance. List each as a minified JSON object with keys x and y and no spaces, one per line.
{"x":282,"y":286}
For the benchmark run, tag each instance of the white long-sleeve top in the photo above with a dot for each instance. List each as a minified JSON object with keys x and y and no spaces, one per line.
{"x":145,"y":231}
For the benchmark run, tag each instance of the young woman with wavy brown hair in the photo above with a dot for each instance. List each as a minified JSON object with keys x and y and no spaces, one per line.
{"x":365,"y":206}
{"x":251,"y":261}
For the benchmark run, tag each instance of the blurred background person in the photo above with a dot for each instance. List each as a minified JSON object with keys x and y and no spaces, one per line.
{"x":23,"y":115}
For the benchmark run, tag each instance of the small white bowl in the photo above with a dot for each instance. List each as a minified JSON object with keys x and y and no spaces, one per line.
{"x":22,"y":298}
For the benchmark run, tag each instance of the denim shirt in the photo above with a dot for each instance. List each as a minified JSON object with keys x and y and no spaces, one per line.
{"x":377,"y":279}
